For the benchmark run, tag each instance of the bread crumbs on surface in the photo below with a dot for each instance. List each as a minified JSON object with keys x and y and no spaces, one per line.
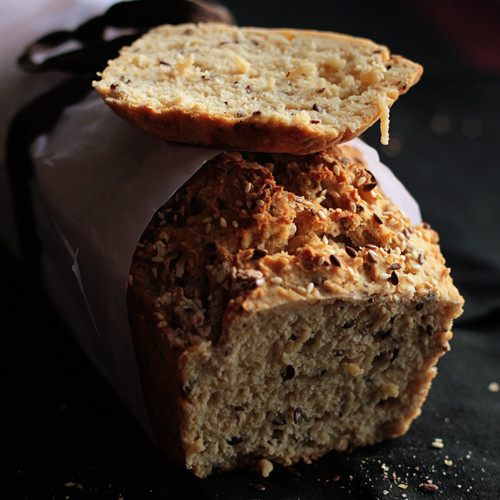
{"x":438,"y":443}
{"x":494,"y":387}
{"x":431,"y":487}
{"x":265,"y":467}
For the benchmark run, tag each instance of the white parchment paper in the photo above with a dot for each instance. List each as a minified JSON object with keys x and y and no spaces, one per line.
{"x":101,"y":181}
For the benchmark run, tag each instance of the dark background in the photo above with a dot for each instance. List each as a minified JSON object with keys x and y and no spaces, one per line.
{"x":66,"y":435}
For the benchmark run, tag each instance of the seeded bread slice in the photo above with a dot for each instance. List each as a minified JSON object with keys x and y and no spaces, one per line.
{"x":253,"y":89}
{"x":282,"y":307}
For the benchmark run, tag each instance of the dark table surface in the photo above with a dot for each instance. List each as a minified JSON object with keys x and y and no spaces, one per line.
{"x":66,"y":435}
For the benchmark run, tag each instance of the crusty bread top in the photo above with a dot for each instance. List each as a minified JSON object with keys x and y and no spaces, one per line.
{"x":249,"y":232}
{"x":256,"y":89}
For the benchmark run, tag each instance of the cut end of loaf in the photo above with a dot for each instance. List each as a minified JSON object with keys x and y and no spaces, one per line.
{"x":335,"y":374}
{"x":254,"y":89}
{"x":282,"y":307}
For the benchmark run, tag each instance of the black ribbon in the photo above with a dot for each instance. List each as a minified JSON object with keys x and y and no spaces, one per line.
{"x":82,"y":64}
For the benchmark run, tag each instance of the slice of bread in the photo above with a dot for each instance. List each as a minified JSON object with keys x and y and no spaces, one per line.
{"x":281,"y":307}
{"x":255,"y":89}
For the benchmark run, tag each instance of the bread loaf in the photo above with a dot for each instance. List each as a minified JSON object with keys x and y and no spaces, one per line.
{"x":282,"y":307}
{"x":255,"y":89}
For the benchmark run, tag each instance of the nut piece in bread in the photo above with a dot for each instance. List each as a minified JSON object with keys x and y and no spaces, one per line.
{"x":255,"y":89}
{"x":282,"y":307}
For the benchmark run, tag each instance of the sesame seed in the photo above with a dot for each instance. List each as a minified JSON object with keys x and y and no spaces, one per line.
{"x":335,"y":260}
{"x":222,"y":222}
{"x":208,"y":228}
{"x":235,"y":223}
{"x":260,"y":281}
{"x":352,"y":207}
{"x":421,"y":257}
{"x":437,"y":444}
{"x":378,"y":220}
{"x":328,"y":159}
{"x":350,"y":251}
{"x":259,"y":203}
{"x":324,"y":240}
{"x":396,"y":266}
{"x":349,"y":324}
{"x":162,"y":324}
{"x":369,"y":187}
{"x":361,"y":181}
{"x":429,"y":486}
{"x":321,"y":260}
{"x":336,"y":169}
{"x":322,"y":215}
{"x":372,"y":256}
{"x":248,"y":187}
{"x":297,"y":414}
{"x":394,"y":278}
{"x":277,"y":280}
{"x":258,"y":216}
{"x":310,"y":287}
